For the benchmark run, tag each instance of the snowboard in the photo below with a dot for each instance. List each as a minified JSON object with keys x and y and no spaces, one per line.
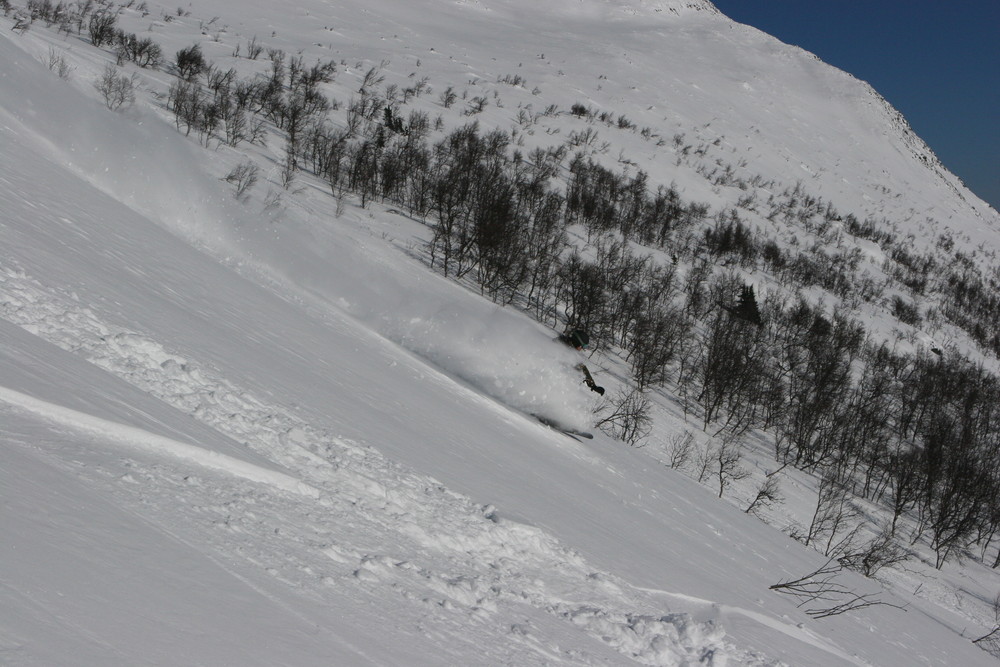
{"x":589,"y":379}
{"x":576,"y":434}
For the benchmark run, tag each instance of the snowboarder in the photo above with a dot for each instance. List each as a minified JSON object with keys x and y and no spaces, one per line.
{"x":579,"y":340}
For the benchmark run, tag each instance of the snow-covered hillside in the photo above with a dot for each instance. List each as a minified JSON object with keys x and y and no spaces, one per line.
{"x":262,"y":432}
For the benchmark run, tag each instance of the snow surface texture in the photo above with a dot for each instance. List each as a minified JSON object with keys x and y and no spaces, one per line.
{"x":235,"y":437}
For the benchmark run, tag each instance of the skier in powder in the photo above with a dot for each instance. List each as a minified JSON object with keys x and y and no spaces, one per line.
{"x":578,"y":340}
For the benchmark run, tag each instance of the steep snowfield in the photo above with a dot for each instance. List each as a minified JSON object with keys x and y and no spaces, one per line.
{"x":234,"y":437}
{"x":675,"y":67}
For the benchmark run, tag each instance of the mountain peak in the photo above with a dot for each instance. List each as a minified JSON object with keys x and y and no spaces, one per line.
{"x":609,"y":8}
{"x":664,"y":6}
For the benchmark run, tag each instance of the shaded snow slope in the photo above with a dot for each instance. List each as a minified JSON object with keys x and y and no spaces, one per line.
{"x":231,"y":439}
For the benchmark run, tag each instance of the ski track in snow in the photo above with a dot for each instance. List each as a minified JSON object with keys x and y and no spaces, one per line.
{"x":379,"y":509}
{"x":144,"y":440}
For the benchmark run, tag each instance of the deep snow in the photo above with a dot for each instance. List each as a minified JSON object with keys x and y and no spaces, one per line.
{"x":231,"y":436}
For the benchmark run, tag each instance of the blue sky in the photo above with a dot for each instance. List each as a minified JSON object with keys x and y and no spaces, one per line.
{"x":936,"y":62}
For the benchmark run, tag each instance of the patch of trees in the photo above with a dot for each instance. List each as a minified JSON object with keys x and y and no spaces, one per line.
{"x":972,"y":302}
{"x":604,"y":201}
{"x":919,"y":434}
{"x":969,"y":298}
{"x":217,"y":104}
{"x":142,"y":51}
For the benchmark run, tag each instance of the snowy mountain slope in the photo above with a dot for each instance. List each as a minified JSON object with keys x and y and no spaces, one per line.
{"x":179,"y":407}
{"x":173,"y":272}
{"x":675,"y":67}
